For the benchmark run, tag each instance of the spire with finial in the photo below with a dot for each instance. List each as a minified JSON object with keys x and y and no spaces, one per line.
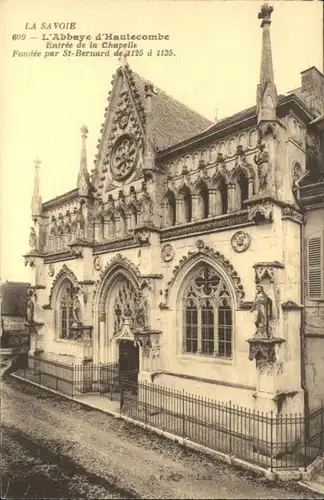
{"x":83,"y":176}
{"x":267,"y":92}
{"x":36,"y":204}
{"x":149,"y":91}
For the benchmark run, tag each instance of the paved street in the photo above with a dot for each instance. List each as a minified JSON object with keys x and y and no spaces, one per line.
{"x":54,"y":448}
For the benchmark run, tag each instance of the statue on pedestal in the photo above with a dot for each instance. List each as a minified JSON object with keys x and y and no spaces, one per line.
{"x":263,"y":307}
{"x":262,"y":161}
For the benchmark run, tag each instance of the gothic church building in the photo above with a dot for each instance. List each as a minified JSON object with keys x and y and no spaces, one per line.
{"x":193,"y":249}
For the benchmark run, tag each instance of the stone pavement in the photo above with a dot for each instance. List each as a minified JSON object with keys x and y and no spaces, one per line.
{"x":316,"y":484}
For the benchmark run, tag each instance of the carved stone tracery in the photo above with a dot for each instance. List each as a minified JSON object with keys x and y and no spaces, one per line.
{"x":209,"y":252}
{"x":64,"y":272}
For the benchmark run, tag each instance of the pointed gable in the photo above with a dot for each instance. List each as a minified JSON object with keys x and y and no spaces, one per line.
{"x":121,"y":146}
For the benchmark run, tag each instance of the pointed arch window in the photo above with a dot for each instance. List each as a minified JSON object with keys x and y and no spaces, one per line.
{"x":223,"y":196}
{"x":66,"y":310}
{"x":187,"y":206}
{"x":208,"y":312}
{"x":243,"y":190}
{"x":133,"y":217}
{"x":203,"y":201}
{"x":170,"y":209}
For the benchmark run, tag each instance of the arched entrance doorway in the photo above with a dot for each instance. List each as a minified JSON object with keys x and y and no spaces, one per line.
{"x":128,"y":364}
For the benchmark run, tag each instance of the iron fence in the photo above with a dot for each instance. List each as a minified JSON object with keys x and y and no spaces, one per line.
{"x":271,"y":440}
{"x":75,"y":379}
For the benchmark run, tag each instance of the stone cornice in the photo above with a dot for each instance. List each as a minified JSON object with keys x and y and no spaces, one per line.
{"x":58,"y":257}
{"x":81,"y":243}
{"x":34,"y":253}
{"x":196,"y":228}
{"x":113,"y":245}
{"x":61,"y":199}
{"x":274,"y":263}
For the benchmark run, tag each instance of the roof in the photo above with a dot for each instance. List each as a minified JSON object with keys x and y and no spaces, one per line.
{"x":173,"y":122}
{"x":14,"y":298}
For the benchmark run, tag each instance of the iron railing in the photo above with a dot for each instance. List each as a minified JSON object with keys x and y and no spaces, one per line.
{"x":74,"y":379}
{"x":271,"y":440}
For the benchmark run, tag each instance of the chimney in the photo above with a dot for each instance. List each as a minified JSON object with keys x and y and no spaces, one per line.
{"x":313,"y":90}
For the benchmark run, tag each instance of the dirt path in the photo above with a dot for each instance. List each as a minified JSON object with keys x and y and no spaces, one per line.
{"x":73,"y":452}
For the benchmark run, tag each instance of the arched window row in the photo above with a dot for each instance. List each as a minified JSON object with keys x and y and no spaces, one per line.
{"x":58,"y":239}
{"x":228,"y":148}
{"x":207,"y":314}
{"x":116,"y":224}
{"x":206,"y":201}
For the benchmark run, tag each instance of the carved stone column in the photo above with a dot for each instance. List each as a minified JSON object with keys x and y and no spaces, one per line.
{"x":179,"y":211}
{"x":101,"y":338}
{"x":231,"y":197}
{"x":212,"y":202}
{"x":195,"y":199}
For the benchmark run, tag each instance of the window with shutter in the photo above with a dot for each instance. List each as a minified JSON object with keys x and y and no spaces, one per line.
{"x":315,"y":264}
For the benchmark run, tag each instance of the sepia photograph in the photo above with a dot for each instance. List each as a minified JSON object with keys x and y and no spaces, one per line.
{"x":162,"y":249}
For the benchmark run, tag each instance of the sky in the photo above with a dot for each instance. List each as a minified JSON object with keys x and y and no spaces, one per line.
{"x":45,"y":101}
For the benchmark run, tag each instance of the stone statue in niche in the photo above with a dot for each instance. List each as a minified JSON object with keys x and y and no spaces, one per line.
{"x":263,"y":307}
{"x":118,"y":317}
{"x":146,"y":212}
{"x":32,"y":238}
{"x":80,"y":224}
{"x":262,"y":161}
{"x":141,"y":320}
{"x":76,"y":306}
{"x":146,"y":205}
{"x":30,"y":309}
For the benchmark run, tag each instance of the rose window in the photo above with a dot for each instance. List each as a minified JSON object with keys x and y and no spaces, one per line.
{"x":124,"y":157}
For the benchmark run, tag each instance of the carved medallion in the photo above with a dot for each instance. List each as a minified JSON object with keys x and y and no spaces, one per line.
{"x":167,"y":252}
{"x":97,"y":263}
{"x":240,"y":241}
{"x":51,"y":270}
{"x":124,"y":157}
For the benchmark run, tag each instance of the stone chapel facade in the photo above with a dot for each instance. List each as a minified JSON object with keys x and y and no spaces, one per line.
{"x":189,"y":243}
